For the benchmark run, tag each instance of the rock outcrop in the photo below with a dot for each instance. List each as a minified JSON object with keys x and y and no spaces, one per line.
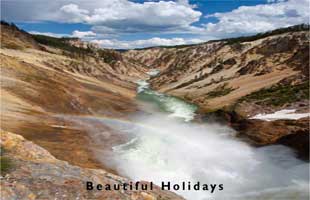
{"x":44,"y":77}
{"x":35,"y":174}
{"x":49,"y":86}
{"x":240,"y":78}
{"x":217,"y":74}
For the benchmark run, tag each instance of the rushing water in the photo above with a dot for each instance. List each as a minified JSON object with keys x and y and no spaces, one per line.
{"x":166,"y":145}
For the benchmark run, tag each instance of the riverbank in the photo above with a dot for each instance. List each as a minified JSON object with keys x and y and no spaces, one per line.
{"x":34,"y":173}
{"x":291,"y":133}
{"x":82,"y":106}
{"x":165,"y":145}
{"x":41,"y":82}
{"x":46,"y":92}
{"x":258,"y":85}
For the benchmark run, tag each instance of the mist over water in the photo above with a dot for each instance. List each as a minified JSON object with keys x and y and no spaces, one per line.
{"x":165,"y":145}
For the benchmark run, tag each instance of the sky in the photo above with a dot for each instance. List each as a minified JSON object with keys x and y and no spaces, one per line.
{"x":127,"y":24}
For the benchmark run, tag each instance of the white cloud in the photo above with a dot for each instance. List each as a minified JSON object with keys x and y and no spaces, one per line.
{"x":125,"y":16}
{"x":156,"y":41}
{"x":57,"y":35}
{"x":72,"y":13}
{"x":114,"y":18}
{"x":259,"y":18}
{"x":122,"y":44}
{"x":76,"y":33}
{"x":119,"y":16}
{"x":275,"y":1}
{"x":83,"y":34}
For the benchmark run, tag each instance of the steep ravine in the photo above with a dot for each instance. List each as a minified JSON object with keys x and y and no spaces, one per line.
{"x":35,"y":174}
{"x":50,"y":147}
{"x":83,"y":107}
{"x":218,"y":74}
{"x":167,"y":144}
{"x":238,"y":79}
{"x":40,"y":82}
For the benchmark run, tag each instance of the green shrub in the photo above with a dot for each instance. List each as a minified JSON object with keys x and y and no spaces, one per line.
{"x":221,"y":90}
{"x":280,"y":94}
{"x":1,"y":151}
{"x":60,"y":43}
{"x":109,"y":56}
{"x":5,"y":164}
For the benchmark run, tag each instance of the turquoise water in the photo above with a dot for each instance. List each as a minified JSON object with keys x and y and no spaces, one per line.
{"x":167,"y":145}
{"x":172,"y":106}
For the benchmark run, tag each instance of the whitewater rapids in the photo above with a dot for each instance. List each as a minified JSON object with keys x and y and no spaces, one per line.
{"x":166,"y":145}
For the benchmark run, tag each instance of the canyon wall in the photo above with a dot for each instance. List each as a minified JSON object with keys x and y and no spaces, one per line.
{"x":240,"y":78}
{"x":48,"y":83}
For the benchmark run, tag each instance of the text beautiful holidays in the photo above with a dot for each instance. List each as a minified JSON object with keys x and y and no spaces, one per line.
{"x":165,"y":185}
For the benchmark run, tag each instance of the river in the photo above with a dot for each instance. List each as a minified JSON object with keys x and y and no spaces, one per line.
{"x":165,"y":144}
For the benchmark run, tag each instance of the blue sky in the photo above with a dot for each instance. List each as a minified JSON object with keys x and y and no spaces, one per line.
{"x":143,"y":23}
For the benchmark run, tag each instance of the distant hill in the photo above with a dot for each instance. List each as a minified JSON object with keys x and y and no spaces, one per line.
{"x":219,"y":73}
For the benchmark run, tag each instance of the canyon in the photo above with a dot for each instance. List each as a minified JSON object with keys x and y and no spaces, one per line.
{"x":76,"y":109}
{"x":240,"y":78}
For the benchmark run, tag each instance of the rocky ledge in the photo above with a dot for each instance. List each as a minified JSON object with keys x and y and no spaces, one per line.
{"x":31,"y":172}
{"x":292,"y":133}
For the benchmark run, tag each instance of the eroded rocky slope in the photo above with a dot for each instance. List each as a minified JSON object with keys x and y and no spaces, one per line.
{"x":43,"y":77}
{"x":49,"y":85}
{"x":217,"y":74}
{"x":36,"y":174}
{"x":239,"y":78}
{"x":48,"y":88}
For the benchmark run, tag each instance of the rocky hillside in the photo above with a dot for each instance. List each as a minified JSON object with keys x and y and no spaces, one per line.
{"x":48,"y":85}
{"x":241,"y":78}
{"x":43,"y":77}
{"x":51,"y":88}
{"x":219,"y":74}
{"x":33,"y":173}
